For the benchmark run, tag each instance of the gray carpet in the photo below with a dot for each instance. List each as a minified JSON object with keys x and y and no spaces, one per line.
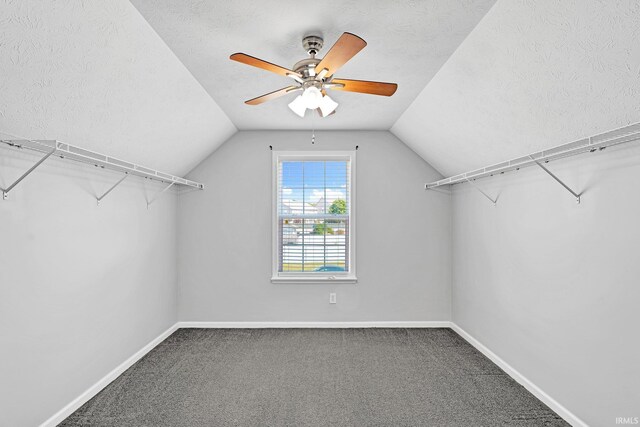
{"x":314,"y":377}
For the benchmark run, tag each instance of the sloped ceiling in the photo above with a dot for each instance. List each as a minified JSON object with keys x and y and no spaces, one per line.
{"x":531,"y":75}
{"x":408,"y":41}
{"x":95,"y":74}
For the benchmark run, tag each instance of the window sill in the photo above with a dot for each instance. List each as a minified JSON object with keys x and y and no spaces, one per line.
{"x":312,"y":280}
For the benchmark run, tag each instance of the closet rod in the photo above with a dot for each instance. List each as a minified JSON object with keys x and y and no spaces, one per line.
{"x":597,"y":142}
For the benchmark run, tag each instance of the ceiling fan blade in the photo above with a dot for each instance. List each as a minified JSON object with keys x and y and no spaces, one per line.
{"x":364,"y":86}
{"x":272,"y":95}
{"x":343,"y":50}
{"x":256,"y":62}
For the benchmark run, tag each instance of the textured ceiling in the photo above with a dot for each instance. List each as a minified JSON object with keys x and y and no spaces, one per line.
{"x":95,"y":74}
{"x":408,"y":42}
{"x":532,"y":74}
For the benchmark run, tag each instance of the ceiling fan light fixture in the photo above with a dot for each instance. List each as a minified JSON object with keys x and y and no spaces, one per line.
{"x":312,"y":97}
{"x":327,"y":105}
{"x":298,"y":106}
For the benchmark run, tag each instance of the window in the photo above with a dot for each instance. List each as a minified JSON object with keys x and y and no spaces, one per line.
{"x":314,"y":230}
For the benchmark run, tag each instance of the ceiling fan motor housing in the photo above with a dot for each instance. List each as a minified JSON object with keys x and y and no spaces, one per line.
{"x":306,"y":68}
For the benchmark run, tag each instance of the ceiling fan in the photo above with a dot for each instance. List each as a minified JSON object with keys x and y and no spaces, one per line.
{"x":314,"y":76}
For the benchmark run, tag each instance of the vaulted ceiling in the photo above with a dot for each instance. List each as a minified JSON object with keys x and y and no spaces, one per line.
{"x":478,"y":83}
{"x":408,"y":41}
{"x":96,"y":75}
{"x":530,"y":76}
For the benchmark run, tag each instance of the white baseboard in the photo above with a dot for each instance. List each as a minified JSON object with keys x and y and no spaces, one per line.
{"x":260,"y":325}
{"x":63,"y":413}
{"x":567,"y":415}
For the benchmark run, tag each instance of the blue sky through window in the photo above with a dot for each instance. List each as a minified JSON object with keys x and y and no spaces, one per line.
{"x":309,"y":181}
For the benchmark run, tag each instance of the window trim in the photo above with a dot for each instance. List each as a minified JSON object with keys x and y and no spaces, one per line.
{"x":318,"y":277}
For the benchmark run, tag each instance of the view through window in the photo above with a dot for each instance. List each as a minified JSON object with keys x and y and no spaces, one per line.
{"x":313,"y":215}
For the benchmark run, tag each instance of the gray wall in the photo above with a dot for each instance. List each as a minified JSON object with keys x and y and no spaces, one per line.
{"x":551,"y":286}
{"x":403,"y":236}
{"x":82,"y":287}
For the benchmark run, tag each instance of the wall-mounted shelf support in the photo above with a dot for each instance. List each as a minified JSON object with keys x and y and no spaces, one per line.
{"x":437,"y":190}
{"x":160,"y":193}
{"x":483,"y":193}
{"x":82,"y":155}
{"x":5,"y":191}
{"x":596,"y":143}
{"x":99,"y":199}
{"x":576,"y":195}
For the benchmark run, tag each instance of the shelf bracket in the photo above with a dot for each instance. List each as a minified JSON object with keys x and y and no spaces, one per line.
{"x":159,"y":194}
{"x":438,"y":191}
{"x":99,"y":199}
{"x":5,"y":191}
{"x":576,"y":195}
{"x":483,"y":193}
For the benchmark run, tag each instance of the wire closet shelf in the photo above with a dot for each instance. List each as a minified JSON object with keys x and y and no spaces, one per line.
{"x":601,"y":141}
{"x":64,"y":150}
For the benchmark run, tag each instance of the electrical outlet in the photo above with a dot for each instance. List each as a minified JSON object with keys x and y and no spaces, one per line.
{"x":332,"y":298}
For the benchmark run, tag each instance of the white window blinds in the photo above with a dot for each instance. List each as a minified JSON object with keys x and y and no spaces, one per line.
{"x":313,"y":215}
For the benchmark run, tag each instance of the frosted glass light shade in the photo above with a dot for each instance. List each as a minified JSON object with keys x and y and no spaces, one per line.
{"x":298,"y":106}
{"x":327,"y":105}
{"x":312,"y":97}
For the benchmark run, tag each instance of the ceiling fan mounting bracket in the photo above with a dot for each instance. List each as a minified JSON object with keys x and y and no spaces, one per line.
{"x":312,"y":44}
